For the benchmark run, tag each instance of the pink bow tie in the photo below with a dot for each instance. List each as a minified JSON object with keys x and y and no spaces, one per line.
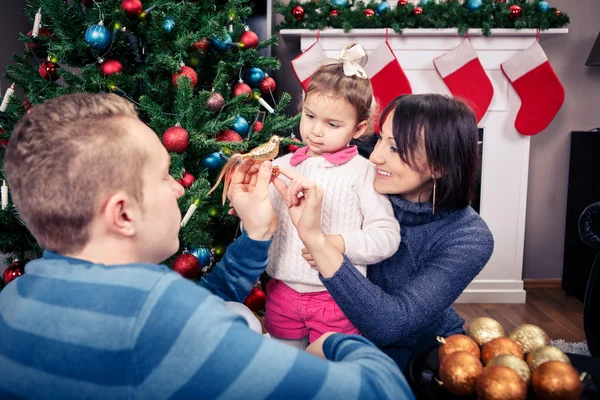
{"x":340,"y":157}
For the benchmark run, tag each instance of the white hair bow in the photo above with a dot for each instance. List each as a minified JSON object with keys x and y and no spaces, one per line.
{"x":349,"y":57}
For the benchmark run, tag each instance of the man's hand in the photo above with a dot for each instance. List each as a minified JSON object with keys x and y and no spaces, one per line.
{"x":316,"y":347}
{"x":249,"y":198}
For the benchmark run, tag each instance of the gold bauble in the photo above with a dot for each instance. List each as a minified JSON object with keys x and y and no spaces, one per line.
{"x":514,"y":362}
{"x":530,"y":337}
{"x":455,"y":343}
{"x":484,"y":329}
{"x":498,"y":346}
{"x":554,"y":380}
{"x":501,"y":383}
{"x":544,"y":354}
{"x":459,"y":372}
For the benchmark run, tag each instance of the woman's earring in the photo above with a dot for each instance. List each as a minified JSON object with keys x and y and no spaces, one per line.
{"x":433,"y":202}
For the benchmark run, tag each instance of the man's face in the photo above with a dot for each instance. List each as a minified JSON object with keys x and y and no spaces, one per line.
{"x":159,"y":218}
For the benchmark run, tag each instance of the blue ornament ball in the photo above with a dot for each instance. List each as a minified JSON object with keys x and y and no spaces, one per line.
{"x":473,"y":5}
{"x":240,"y":125}
{"x":423,"y":2}
{"x":202,"y":254}
{"x":98,"y":37}
{"x":213,"y":161}
{"x":169,"y":24}
{"x":253,"y":76}
{"x":382,"y":7}
{"x":220,"y":45}
{"x":544,"y":6}
{"x":339,"y":3}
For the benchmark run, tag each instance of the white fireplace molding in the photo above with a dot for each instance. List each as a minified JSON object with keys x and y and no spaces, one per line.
{"x":505,"y":165}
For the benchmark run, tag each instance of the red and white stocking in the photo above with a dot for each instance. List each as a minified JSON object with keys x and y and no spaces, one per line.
{"x":386,"y":75}
{"x":536,"y":83}
{"x":307,"y":63}
{"x":464,"y":75}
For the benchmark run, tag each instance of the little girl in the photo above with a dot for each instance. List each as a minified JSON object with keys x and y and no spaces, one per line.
{"x":359,"y":221}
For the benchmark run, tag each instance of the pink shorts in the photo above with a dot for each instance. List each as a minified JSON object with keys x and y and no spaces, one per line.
{"x":293,"y":315}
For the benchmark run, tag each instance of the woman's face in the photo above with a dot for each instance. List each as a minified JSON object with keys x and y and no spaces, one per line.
{"x":393,"y":175}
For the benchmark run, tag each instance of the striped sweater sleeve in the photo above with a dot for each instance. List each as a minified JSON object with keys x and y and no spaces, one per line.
{"x":189,"y":345}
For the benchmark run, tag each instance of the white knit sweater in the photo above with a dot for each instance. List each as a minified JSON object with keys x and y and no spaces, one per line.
{"x":351,"y":208}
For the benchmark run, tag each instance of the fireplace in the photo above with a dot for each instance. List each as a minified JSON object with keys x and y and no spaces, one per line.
{"x":502,"y":193}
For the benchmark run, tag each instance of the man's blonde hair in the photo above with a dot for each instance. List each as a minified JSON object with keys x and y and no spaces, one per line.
{"x":64,"y":158}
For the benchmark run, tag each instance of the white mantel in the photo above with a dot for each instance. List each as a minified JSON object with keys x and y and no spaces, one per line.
{"x":505,"y":167}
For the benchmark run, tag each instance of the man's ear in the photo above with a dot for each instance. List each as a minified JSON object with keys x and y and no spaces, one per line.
{"x":360,"y":129}
{"x":119,"y":214}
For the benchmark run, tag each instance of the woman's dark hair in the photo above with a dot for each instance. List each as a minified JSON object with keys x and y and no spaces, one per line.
{"x":447,"y":129}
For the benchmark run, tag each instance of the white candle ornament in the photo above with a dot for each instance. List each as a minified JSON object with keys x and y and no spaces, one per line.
{"x":4,"y":195}
{"x":37,"y":23}
{"x":189,"y":213}
{"x":265,"y":105}
{"x":9,"y":92}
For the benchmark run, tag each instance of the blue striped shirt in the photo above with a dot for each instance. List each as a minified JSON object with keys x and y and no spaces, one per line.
{"x":71,"y":329}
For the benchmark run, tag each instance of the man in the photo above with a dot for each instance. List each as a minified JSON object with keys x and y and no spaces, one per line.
{"x":96,"y":317}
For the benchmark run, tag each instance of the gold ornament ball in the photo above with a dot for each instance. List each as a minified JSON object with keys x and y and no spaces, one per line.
{"x":554,"y":380}
{"x":484,"y":329}
{"x":545,"y":354}
{"x":455,"y":343}
{"x":498,"y":346}
{"x":530,"y":337}
{"x":499,"y":382}
{"x":459,"y":372}
{"x":514,"y":362}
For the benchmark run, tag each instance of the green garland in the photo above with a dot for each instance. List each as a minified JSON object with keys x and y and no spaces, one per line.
{"x":436,"y":14}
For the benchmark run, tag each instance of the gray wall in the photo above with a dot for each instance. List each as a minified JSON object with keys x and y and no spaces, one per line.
{"x":12,"y":22}
{"x":549,"y":161}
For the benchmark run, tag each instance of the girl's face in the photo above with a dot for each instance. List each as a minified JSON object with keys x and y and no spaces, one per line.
{"x":328,"y":124}
{"x":393,"y":175}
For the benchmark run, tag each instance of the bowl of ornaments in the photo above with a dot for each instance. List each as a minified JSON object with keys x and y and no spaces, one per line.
{"x":490,"y":364}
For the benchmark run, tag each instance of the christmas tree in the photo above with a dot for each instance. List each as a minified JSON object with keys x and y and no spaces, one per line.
{"x":195,"y":71}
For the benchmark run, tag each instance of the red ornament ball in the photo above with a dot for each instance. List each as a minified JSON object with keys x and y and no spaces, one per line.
{"x":4,"y":143}
{"x":187,"y":180}
{"x":267,"y":85}
{"x":402,"y":2}
{"x":110,"y":67}
{"x":14,"y":271}
{"x":256,"y":300}
{"x":298,"y":13}
{"x":515,"y":11}
{"x":42,"y":35}
{"x":229,"y":135}
{"x":241,"y":89}
{"x":48,"y":71}
{"x":132,"y":8}
{"x":187,"y":265}
{"x":187,"y":72}
{"x":176,"y":139}
{"x":202,"y":44}
{"x":249,"y":39}
{"x":293,"y":147}
{"x":558,"y":13}
{"x":257,"y":126}
{"x":369,"y":13}
{"x":335,"y":13}
{"x":418,"y":11}
{"x":215,"y":102}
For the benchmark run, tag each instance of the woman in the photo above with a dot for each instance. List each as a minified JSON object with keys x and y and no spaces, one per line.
{"x":427,"y":162}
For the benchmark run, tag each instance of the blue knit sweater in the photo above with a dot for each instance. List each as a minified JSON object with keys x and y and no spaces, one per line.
{"x":71,"y":329}
{"x":412,"y":292}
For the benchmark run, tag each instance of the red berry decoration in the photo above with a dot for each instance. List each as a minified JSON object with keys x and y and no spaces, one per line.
{"x":418,"y":11}
{"x":558,"y":13}
{"x":249,"y":39}
{"x":202,"y":44}
{"x":257,"y":126}
{"x":515,"y":11}
{"x":293,"y":147}
{"x":176,"y":139}
{"x":241,"y":89}
{"x":402,"y":2}
{"x":48,"y":71}
{"x":298,"y":13}
{"x":229,"y":135}
{"x":335,"y":13}
{"x":267,"y":85}
{"x":14,"y":271}
{"x":110,"y":67}
{"x":187,"y":72}
{"x":187,"y":180}
{"x":187,"y":265}
{"x":256,"y":300}
{"x":132,"y":8}
{"x":369,"y":13}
